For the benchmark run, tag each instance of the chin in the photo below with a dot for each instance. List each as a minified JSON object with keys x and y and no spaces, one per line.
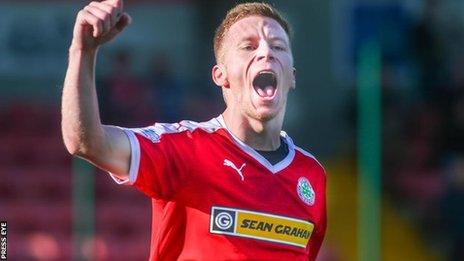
{"x":265,"y":114}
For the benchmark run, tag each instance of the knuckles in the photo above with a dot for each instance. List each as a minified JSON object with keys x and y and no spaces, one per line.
{"x":101,"y":21}
{"x":108,"y":11}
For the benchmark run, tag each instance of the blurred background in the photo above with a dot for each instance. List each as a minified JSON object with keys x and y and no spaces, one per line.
{"x":379,"y":101}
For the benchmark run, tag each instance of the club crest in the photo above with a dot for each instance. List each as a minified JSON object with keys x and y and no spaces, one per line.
{"x":305,"y":191}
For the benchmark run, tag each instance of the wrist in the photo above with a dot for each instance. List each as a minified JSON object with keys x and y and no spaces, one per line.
{"x":79,"y":51}
{"x":82,"y":57}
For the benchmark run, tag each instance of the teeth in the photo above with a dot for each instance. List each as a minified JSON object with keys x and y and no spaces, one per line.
{"x":269,"y":72}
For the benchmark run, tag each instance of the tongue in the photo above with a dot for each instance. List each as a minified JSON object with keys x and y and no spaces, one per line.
{"x":267,"y":91}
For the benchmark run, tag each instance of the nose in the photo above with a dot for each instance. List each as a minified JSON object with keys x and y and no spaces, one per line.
{"x":265,"y":52}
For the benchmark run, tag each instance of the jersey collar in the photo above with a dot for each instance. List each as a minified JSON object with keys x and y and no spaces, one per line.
{"x":258,"y":157}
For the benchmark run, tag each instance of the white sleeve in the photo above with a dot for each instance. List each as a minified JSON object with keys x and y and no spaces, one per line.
{"x":134,"y":161}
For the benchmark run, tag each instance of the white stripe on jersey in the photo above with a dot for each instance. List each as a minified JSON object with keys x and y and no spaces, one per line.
{"x":304,"y":152}
{"x":154,"y":132}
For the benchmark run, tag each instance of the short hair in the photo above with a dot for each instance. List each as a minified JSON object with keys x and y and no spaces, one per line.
{"x":242,"y":11}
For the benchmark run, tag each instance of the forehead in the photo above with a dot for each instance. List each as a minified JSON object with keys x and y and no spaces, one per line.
{"x":255,"y":27}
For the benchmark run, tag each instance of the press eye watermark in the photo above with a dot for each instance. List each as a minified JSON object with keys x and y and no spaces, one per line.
{"x":3,"y":240}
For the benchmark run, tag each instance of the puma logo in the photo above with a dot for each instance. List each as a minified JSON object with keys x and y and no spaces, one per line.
{"x":229,"y":163}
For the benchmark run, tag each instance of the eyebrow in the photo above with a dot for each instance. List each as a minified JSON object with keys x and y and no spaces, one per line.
{"x":277,"y":38}
{"x":272,"y":39}
{"x":247,"y":38}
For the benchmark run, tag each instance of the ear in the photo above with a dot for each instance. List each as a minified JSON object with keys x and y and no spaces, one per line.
{"x":293,"y":86}
{"x":219,"y":74}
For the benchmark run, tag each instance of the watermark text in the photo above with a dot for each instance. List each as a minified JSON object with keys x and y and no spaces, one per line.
{"x":3,"y":240}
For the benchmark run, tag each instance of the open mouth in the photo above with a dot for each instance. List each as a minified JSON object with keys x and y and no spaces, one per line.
{"x":265,"y":84}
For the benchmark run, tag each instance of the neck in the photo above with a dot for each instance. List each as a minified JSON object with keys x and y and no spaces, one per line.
{"x":258,"y":134}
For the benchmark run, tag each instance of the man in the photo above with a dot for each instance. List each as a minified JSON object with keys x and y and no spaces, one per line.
{"x":235,"y":187}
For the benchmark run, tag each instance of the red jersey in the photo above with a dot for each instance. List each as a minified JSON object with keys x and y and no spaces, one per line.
{"x":216,"y":198}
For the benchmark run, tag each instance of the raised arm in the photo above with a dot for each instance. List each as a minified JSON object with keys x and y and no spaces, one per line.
{"x":106,"y":147}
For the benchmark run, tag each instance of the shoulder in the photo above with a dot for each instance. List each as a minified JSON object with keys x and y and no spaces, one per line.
{"x":309,"y":155}
{"x":156,"y":131}
{"x":304,"y":153}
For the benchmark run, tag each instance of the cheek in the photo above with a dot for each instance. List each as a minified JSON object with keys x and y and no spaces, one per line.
{"x":288,"y":67}
{"x":287,"y":61}
{"x":236,"y":72}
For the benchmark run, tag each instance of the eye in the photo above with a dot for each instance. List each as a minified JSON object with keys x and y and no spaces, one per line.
{"x":248,"y":47}
{"x":278,"y":47}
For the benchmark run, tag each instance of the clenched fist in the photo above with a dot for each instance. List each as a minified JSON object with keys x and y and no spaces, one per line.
{"x":98,"y":23}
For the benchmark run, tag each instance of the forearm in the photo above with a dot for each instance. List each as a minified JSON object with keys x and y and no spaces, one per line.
{"x":83,"y":133}
{"x":81,"y":126}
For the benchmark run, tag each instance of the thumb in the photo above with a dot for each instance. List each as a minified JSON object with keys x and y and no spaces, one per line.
{"x":116,"y":3}
{"x":123,"y":22}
